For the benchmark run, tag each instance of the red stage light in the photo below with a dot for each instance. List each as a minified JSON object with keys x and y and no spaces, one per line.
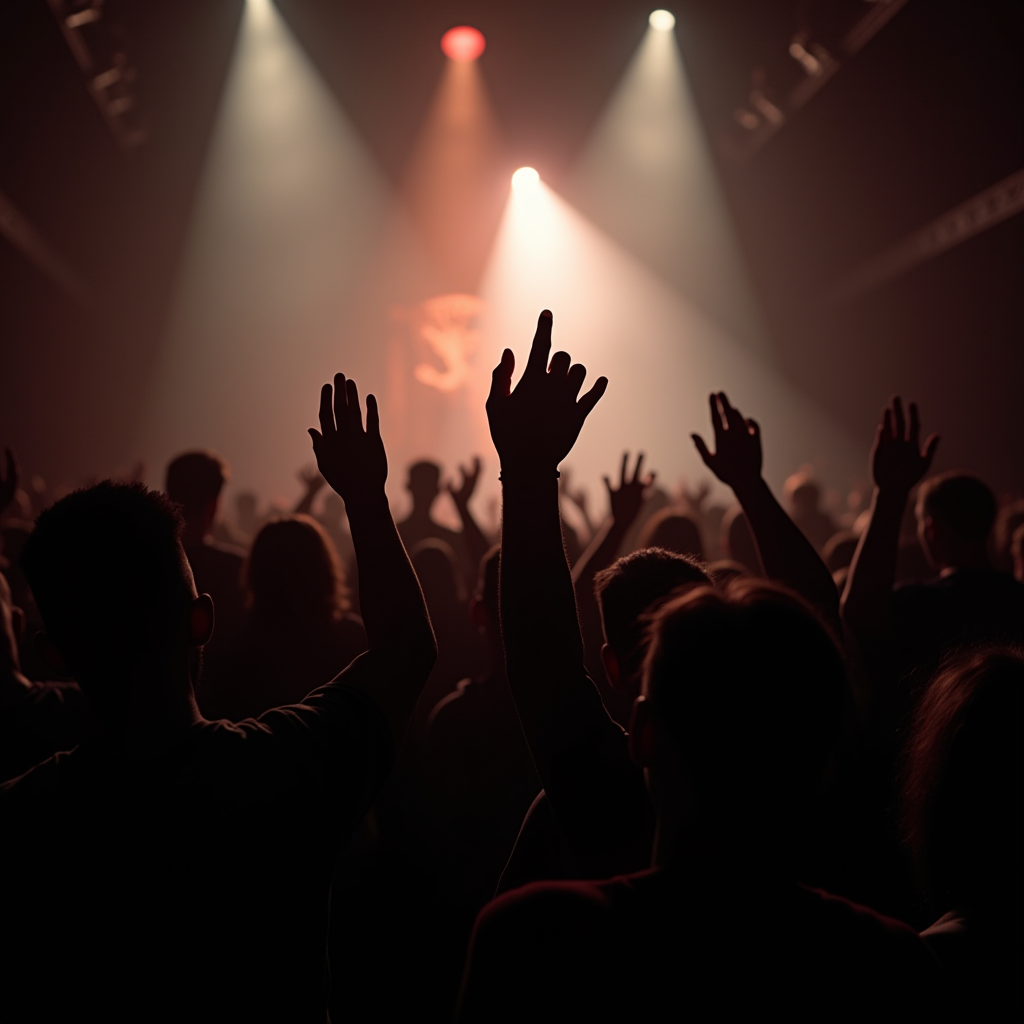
{"x":463,"y":44}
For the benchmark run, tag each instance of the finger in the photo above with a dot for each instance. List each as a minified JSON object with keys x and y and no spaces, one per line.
{"x":624,"y":470}
{"x":326,"y":410}
{"x":355,"y":414}
{"x":754,"y":428}
{"x":608,"y":485}
{"x":915,"y":425}
{"x":639,"y":463}
{"x":316,"y":437}
{"x":702,"y":449}
{"x":574,"y":380}
{"x":898,"y":421}
{"x":586,"y":404}
{"x":732,"y":415}
{"x":929,"y":450}
{"x":651,"y":477}
{"x":538,"y":361}
{"x":501,"y":378}
{"x":886,"y":427}
{"x":372,"y":416}
{"x":476,"y":465}
{"x":340,"y":403}
{"x":559,"y":368}
{"x":716,"y":419}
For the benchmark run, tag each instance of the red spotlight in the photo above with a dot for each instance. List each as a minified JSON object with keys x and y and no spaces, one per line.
{"x":463,"y":44}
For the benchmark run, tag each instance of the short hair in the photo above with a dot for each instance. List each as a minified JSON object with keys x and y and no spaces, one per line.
{"x":630,"y":587}
{"x":109,"y":576}
{"x":750,"y":684}
{"x":962,"y":777}
{"x":194,"y":479}
{"x":294,"y":571}
{"x":424,"y":474}
{"x":960,"y":503}
{"x":674,"y":531}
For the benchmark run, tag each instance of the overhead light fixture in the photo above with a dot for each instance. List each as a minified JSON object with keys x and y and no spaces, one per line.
{"x":662,"y":21}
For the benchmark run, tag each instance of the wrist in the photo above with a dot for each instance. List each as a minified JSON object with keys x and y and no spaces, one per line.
{"x":749,"y":488}
{"x":364,"y":502}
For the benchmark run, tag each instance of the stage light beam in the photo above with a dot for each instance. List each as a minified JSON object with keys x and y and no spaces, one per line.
{"x":463,"y":44}
{"x":662,"y":21}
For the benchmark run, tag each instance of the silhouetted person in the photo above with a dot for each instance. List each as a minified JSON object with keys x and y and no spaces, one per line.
{"x":804,"y":497}
{"x":741,"y":703}
{"x":298,"y":632}
{"x":36,"y":718}
{"x":962,"y":814}
{"x":674,"y":531}
{"x":172,"y":868}
{"x":904,"y":633}
{"x":195,"y":481}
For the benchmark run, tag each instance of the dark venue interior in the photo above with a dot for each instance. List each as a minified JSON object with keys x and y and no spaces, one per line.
{"x":362,"y":658}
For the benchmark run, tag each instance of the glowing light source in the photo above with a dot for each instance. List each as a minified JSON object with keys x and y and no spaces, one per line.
{"x":662,"y":21}
{"x":463,"y":44}
{"x":524,"y":179}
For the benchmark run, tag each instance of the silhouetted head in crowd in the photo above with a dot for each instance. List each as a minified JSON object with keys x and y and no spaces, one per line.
{"x":1009,"y":520}
{"x":627,"y":591}
{"x":424,"y":485}
{"x":194,"y":481}
{"x":673,"y":531}
{"x":838,"y":551}
{"x":743,"y":691}
{"x":802,"y":492}
{"x":293,"y":576}
{"x":955,"y":513}
{"x":738,"y":542}
{"x":116,"y":595}
{"x":962,"y":791}
{"x":435,"y":565}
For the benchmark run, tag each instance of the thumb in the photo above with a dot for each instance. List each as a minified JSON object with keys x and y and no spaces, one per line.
{"x":501,"y":378}
{"x":702,"y":450}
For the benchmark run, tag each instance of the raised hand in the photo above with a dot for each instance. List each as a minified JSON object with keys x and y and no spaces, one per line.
{"x":535,"y":426}
{"x":737,"y":457}
{"x":9,"y":480}
{"x":311,"y":478}
{"x":352,"y":459}
{"x":897,"y":459}
{"x":467,"y":484}
{"x":627,"y":499}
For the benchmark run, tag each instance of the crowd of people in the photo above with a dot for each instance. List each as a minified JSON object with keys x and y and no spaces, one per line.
{"x":757,"y":762}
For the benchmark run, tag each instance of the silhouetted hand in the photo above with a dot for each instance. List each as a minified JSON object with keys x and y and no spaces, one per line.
{"x":897,"y":459}
{"x":9,"y":480}
{"x":312,"y":479}
{"x":351,"y":459}
{"x":627,"y":499}
{"x":467,"y":484}
{"x":535,"y":426}
{"x":737,"y":457}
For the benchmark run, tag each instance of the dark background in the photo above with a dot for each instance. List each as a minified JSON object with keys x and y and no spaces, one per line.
{"x":925,"y":116}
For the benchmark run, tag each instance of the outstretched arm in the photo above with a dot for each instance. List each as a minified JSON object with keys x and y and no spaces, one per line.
{"x":312,"y":482}
{"x":476,"y":542}
{"x":353,"y":461}
{"x":786,"y":554}
{"x":897,"y":463}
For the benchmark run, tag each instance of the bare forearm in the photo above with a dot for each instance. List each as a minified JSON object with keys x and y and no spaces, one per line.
{"x":868,"y":594}
{"x":786,"y":554}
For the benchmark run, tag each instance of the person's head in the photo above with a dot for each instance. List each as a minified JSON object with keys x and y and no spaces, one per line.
{"x":194,"y":481}
{"x":293,"y":576}
{"x":424,"y":485}
{"x":673,"y":531}
{"x":738,"y":543}
{"x":438,"y":573}
{"x":115,"y":592}
{"x":962,"y":783}
{"x":955,"y":513}
{"x":743,"y":691}
{"x":1009,"y":520}
{"x":626,"y":591}
{"x":838,"y":551}
{"x":802,"y":492}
